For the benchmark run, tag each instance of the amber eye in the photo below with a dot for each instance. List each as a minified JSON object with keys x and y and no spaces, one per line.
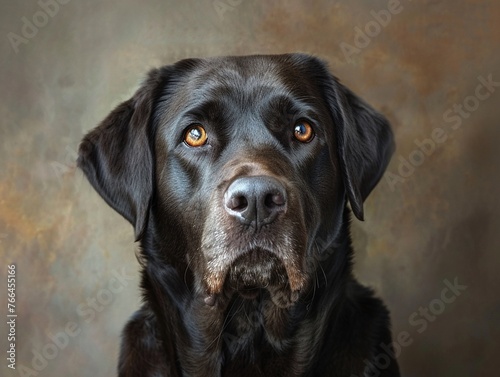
{"x":195,"y":136}
{"x":303,"y":132}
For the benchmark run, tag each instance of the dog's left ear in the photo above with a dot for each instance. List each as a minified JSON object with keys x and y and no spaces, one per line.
{"x":364,"y":138}
{"x":117,"y":158}
{"x":365,"y":143}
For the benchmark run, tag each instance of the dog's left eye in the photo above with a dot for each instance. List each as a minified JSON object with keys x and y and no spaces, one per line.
{"x":303,"y":132}
{"x":195,"y":136}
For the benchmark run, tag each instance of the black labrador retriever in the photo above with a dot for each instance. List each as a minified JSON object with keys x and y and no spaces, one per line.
{"x":236,"y":173}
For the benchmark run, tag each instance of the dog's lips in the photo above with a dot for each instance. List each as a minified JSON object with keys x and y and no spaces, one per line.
{"x":250,"y":293}
{"x":258,"y":271}
{"x":272,"y":264}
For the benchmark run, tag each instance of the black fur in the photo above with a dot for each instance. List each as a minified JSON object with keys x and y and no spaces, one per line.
{"x":227,"y":297}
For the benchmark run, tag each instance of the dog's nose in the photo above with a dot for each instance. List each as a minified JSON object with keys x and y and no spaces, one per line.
{"x":256,"y":200}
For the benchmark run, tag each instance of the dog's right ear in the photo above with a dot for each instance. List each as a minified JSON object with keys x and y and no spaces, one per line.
{"x":117,"y":158}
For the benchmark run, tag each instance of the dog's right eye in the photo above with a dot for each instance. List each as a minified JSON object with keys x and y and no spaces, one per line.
{"x":303,"y":132}
{"x":195,"y":136}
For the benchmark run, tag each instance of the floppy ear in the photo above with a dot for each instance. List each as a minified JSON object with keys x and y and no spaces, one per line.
{"x":364,"y":138}
{"x":365,"y":143}
{"x":117,"y":155}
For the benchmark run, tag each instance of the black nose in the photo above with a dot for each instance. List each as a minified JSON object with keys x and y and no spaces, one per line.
{"x":255,"y":201}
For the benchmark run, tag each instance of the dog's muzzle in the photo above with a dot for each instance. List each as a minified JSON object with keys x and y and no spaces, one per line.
{"x":254,"y":241}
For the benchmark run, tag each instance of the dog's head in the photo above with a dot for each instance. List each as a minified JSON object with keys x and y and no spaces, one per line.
{"x":241,"y":166}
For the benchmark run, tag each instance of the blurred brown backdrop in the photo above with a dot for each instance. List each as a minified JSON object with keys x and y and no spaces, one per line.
{"x":431,"y":221}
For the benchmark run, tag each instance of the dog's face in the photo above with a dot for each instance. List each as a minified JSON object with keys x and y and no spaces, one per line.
{"x":243,"y":165}
{"x":244,"y":156}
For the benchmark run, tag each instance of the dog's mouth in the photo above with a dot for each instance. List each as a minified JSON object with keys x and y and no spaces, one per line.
{"x":260,"y":272}
{"x":256,"y":269}
{"x":255,"y":272}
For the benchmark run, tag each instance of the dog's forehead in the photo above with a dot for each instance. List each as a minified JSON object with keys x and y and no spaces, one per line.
{"x":243,"y":69}
{"x":238,"y":79}
{"x":246,"y":79}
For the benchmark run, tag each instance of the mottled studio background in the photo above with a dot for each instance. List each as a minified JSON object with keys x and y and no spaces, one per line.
{"x":439,"y":223}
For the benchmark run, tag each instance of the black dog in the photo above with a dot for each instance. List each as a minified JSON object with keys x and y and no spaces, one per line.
{"x":235,"y":173}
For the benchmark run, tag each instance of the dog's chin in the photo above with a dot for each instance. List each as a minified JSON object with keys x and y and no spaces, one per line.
{"x":257,"y":274}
